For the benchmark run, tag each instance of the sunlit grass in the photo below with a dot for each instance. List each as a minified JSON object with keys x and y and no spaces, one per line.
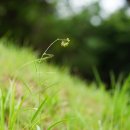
{"x":36,"y":96}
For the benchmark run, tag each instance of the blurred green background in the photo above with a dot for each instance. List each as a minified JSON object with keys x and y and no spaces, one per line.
{"x":99,"y":41}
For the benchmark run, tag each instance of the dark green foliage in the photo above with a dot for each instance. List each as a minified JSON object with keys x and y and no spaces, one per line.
{"x":25,"y":20}
{"x":105,"y":47}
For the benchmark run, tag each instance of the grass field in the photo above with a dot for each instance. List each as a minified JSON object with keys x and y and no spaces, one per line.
{"x":39,"y":96}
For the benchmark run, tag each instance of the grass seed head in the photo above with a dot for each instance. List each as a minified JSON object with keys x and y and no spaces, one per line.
{"x":65,"y":42}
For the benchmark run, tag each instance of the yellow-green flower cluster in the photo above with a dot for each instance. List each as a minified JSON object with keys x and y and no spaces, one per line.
{"x":65,"y":42}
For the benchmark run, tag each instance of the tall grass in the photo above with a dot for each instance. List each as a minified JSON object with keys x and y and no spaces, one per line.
{"x":9,"y":102}
{"x":11,"y":108}
{"x":38,"y":96}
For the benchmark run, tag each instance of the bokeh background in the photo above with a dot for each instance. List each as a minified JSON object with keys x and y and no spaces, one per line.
{"x":99,"y":31}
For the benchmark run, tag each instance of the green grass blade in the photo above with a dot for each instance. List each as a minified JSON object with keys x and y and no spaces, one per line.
{"x":15,"y":115}
{"x":2,"y":112}
{"x":12,"y":104}
{"x":26,"y":86}
{"x":38,"y":110}
{"x":7,"y":98}
{"x":97,"y":76}
{"x":34,"y":124}
{"x":56,"y":123}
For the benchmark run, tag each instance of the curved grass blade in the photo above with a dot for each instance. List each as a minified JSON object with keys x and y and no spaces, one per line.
{"x":56,"y":123}
{"x":38,"y":110}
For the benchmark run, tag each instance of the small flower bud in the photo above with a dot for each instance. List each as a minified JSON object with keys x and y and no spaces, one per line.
{"x":65,"y":42}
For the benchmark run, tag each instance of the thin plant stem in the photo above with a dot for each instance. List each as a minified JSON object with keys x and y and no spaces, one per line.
{"x":44,"y":53}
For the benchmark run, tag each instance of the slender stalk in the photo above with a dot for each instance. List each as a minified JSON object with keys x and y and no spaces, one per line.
{"x":65,"y":40}
{"x":49,"y":47}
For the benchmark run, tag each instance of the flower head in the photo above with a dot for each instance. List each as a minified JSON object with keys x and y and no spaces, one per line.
{"x":65,"y":42}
